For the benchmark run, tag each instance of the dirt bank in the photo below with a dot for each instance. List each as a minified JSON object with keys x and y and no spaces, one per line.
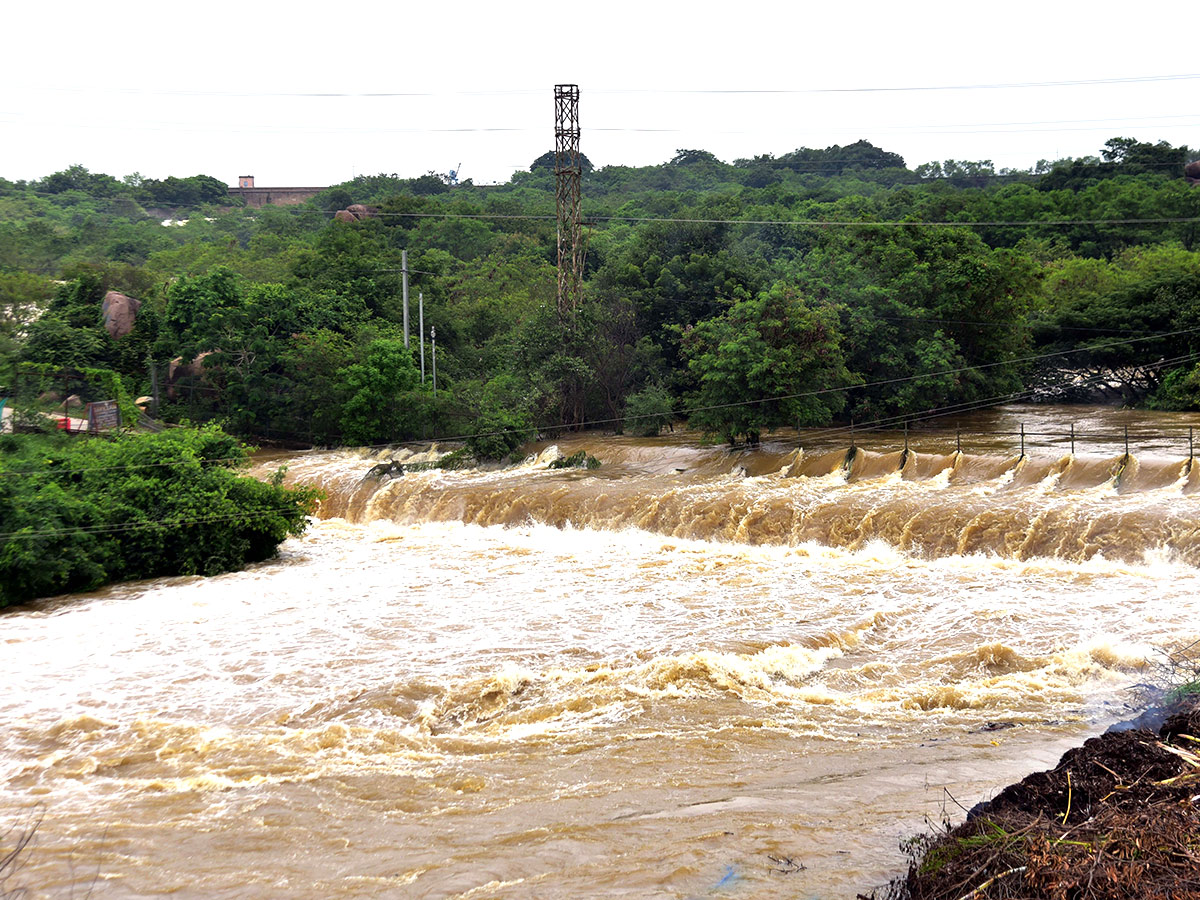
{"x":1118,"y":817}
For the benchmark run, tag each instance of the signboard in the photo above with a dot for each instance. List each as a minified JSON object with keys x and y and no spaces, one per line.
{"x":103,"y":416}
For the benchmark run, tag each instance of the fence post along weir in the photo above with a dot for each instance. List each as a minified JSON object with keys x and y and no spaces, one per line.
{"x":1125,"y":442}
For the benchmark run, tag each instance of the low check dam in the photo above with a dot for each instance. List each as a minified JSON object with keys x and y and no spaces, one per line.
{"x":932,"y":504}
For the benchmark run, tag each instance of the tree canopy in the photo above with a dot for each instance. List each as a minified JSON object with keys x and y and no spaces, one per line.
{"x":837,"y":277}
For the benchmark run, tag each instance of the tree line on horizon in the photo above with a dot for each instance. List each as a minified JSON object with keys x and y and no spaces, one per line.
{"x":817,"y":286}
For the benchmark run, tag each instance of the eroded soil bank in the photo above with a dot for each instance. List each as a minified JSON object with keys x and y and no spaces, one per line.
{"x":1118,"y":817}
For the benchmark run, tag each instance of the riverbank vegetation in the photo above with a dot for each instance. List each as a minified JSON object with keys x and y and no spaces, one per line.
{"x":77,"y":513}
{"x":1116,"y":819}
{"x":819,"y":286}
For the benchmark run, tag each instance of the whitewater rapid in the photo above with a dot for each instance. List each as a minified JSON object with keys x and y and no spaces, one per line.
{"x":662,"y":678}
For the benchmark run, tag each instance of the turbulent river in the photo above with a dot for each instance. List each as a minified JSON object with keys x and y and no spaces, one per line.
{"x":688,"y":673}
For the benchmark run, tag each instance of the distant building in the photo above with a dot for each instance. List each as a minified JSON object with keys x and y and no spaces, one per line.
{"x":271,"y":196}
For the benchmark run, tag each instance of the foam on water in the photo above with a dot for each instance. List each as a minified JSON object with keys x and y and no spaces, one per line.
{"x":519,"y":680}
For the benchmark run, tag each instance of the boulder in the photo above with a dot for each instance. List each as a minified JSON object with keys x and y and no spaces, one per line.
{"x":390,"y":469}
{"x":120,"y":313}
{"x":1192,"y":172}
{"x":178,"y":370}
{"x":355,"y":212}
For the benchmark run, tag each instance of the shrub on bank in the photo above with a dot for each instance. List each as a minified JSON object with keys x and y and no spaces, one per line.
{"x":77,"y":513}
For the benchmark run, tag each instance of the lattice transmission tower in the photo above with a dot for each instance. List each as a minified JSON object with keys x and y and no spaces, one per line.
{"x":568,"y":176}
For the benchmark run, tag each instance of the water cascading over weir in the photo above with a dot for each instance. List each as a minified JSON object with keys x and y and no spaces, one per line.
{"x":930,"y":504}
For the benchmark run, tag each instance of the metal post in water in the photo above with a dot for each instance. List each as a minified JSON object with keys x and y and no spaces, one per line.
{"x":1127,"y":443}
{"x":958,"y":440}
{"x":1072,"y":438}
{"x":1022,"y":440}
{"x":1190,"y":447}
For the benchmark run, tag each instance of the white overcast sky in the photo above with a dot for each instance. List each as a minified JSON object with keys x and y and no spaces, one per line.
{"x":283,"y":91}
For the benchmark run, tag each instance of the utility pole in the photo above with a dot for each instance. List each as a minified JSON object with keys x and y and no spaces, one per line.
{"x":404,"y":278}
{"x":433,"y":347}
{"x":421,"y":329}
{"x":568,"y":175}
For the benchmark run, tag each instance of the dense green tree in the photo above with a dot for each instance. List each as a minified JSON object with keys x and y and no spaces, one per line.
{"x":78,"y":178}
{"x":70,"y":334}
{"x":189,"y":192}
{"x":309,"y":368}
{"x":500,"y":416}
{"x":287,"y":300}
{"x":1135,"y":157}
{"x":355,"y":260}
{"x":861,"y":155}
{"x":548,"y":160}
{"x":769,"y":360}
{"x":648,"y":411}
{"x":920,"y":301}
{"x":1157,"y":317}
{"x":429,"y":183}
{"x":85,"y":513}
{"x":383,"y":400}
{"x":23,"y":296}
{"x":200,"y":311}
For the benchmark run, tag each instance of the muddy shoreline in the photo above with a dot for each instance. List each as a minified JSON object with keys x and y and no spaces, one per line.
{"x":1118,"y":817}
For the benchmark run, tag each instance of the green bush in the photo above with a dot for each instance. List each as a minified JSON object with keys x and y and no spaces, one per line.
{"x":78,"y":513}
{"x":497,"y":433}
{"x":648,"y":411}
{"x":579,"y":460}
{"x":1180,"y":390}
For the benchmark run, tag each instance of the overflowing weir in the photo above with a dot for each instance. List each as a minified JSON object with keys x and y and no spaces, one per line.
{"x":931,"y":504}
{"x":664,"y":677}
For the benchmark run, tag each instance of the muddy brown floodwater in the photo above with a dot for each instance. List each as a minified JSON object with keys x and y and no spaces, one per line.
{"x":688,"y":673}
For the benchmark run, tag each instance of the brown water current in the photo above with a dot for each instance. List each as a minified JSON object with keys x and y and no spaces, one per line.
{"x":684,"y":674}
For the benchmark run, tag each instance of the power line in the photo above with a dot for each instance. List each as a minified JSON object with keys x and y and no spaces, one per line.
{"x":983,"y":403}
{"x":1083,"y":82}
{"x":842,"y":223}
{"x":127,"y":527}
{"x":229,"y":462}
{"x":928,"y":414}
{"x":1018,"y":85}
{"x":692,"y":410}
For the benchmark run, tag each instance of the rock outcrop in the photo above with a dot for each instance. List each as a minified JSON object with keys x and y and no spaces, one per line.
{"x":355,"y":212}
{"x":179,"y":370}
{"x":120,"y":313}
